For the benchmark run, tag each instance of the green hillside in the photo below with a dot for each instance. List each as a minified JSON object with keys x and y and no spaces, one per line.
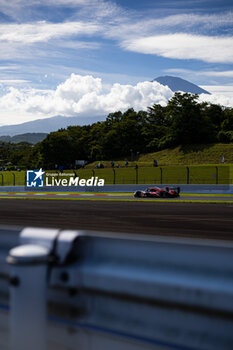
{"x":193,"y":164}
{"x":181,"y":155}
{"x":192,"y":154}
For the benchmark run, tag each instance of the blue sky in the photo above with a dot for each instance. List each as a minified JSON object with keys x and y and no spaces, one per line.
{"x":48,"y":47}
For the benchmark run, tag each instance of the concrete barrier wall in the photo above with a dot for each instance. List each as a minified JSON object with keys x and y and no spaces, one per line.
{"x":120,"y":188}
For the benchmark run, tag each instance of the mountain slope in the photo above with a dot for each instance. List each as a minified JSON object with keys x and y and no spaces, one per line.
{"x":28,"y":137}
{"x":178,"y":84}
{"x":46,"y":125}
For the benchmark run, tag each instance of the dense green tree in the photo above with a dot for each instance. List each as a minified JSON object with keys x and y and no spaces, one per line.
{"x":227,"y":122}
{"x":188,"y":124}
{"x":155,"y":128}
{"x":15,"y":154}
{"x":56,"y":148}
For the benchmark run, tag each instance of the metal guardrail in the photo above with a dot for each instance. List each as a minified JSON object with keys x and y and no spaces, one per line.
{"x":108,"y":291}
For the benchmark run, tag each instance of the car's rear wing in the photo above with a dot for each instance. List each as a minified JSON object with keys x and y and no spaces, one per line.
{"x":177,"y":189}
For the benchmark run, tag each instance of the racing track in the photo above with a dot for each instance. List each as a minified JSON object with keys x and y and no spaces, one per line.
{"x":201,"y":220}
{"x":115,"y":196}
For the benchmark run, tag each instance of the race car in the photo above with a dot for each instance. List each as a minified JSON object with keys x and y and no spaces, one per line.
{"x":157,"y":192}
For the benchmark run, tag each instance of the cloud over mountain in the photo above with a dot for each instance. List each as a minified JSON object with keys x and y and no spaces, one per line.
{"x":86,"y":96}
{"x":79,"y":95}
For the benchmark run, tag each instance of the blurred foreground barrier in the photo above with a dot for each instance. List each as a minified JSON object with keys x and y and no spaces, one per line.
{"x":88,"y":291}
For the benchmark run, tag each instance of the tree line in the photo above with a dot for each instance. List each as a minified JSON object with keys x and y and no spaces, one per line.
{"x":184,"y":120}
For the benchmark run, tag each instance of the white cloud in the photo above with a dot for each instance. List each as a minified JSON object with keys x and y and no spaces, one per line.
{"x":77,"y":86}
{"x":189,"y":20}
{"x":225,"y":74}
{"x":209,"y":73}
{"x":184,"y":46}
{"x":76,"y":45}
{"x":6,"y":4}
{"x":220,"y":90}
{"x":218,"y":98}
{"x":43,"y":31}
{"x":43,"y":40}
{"x":9,"y":67}
{"x":79,"y":95}
{"x":134,"y":26}
{"x":24,"y":10}
{"x":13,"y":81}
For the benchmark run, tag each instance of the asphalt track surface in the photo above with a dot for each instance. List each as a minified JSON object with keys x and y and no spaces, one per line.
{"x":156,"y":217}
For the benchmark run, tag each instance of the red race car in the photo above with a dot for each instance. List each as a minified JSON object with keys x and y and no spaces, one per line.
{"x":157,"y":192}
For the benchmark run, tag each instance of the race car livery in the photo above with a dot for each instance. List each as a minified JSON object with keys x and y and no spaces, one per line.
{"x":157,"y":192}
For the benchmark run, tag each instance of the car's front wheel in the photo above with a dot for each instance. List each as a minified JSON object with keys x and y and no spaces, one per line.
{"x":137,"y":194}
